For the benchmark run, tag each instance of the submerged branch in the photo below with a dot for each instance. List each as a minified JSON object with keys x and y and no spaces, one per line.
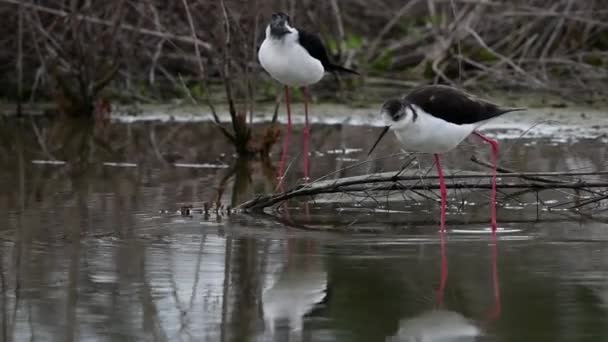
{"x":368,"y":183}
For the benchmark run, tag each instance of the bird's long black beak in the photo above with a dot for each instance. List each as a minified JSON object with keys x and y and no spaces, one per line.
{"x":379,"y":138}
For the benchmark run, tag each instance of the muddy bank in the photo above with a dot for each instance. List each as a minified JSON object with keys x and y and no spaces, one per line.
{"x":569,"y":122}
{"x":557,"y":121}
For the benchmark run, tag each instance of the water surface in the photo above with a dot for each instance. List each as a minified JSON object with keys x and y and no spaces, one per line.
{"x":93,"y":247}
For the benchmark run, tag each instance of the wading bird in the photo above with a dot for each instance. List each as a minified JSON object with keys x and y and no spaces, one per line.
{"x":435,"y":119}
{"x":295,"y":58}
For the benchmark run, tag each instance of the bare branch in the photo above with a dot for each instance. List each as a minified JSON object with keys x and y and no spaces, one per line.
{"x":391,"y":182}
{"x":126,"y":27}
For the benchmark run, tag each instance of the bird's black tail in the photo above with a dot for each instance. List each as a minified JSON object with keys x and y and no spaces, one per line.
{"x":337,"y":68}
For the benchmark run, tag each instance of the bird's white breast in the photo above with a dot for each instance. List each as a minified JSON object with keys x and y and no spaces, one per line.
{"x":288,"y":62}
{"x":429,"y":134}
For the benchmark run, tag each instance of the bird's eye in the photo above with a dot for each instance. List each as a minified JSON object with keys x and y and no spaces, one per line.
{"x":400,"y":115}
{"x":393,"y":108}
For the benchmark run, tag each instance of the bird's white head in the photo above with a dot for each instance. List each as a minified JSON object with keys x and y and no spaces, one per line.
{"x":396,"y":113}
{"x":279,"y":26}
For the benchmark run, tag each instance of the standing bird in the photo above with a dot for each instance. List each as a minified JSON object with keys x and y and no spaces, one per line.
{"x":435,"y":119}
{"x":295,"y":58}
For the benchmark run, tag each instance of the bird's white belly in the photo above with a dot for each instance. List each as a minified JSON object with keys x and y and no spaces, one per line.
{"x":429,"y":134}
{"x":290,"y":64}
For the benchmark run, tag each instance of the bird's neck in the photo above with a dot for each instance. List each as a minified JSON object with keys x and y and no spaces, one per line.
{"x":283,"y":39}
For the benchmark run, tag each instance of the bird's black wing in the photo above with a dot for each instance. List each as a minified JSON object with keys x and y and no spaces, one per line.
{"x":313,"y":44}
{"x":454,"y":105}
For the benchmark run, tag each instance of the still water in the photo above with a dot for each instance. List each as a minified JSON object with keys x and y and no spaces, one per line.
{"x":92,"y":246}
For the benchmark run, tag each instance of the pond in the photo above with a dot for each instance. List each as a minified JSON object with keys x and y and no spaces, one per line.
{"x":93,"y":246}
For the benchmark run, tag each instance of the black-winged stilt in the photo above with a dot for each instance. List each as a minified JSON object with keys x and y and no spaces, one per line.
{"x":435,"y":119}
{"x":295,"y":58}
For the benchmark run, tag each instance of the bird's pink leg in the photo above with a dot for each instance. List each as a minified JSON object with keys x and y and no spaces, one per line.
{"x":494,"y":145}
{"x":443,"y":191}
{"x":495,"y":313}
{"x":443,"y":278}
{"x":306,"y":132}
{"x":287,"y":135}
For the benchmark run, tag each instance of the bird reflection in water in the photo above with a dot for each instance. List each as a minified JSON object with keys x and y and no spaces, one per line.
{"x":292,"y":292}
{"x":441,"y":324}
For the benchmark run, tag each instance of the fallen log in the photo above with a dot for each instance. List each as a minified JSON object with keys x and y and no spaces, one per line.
{"x":390,"y":181}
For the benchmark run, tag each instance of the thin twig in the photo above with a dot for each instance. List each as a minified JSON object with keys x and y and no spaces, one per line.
{"x":267,"y":201}
{"x":336,"y":9}
{"x":215,"y":118}
{"x":389,"y":26}
{"x":226,"y":69}
{"x":197,"y":51}
{"x":590,"y":201}
{"x":20,"y":60}
{"x":502,"y":57}
{"x":365,"y":183}
{"x":126,"y":27}
{"x":536,"y":178}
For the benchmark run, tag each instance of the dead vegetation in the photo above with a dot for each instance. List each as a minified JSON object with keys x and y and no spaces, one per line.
{"x":154,"y":45}
{"x":84,"y":55}
{"x":412,"y":181}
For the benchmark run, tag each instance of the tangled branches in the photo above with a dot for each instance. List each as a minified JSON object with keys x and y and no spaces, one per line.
{"x":373,"y":184}
{"x":144,"y":49}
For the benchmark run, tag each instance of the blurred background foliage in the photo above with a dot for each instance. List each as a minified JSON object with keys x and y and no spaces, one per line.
{"x":75,"y":52}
